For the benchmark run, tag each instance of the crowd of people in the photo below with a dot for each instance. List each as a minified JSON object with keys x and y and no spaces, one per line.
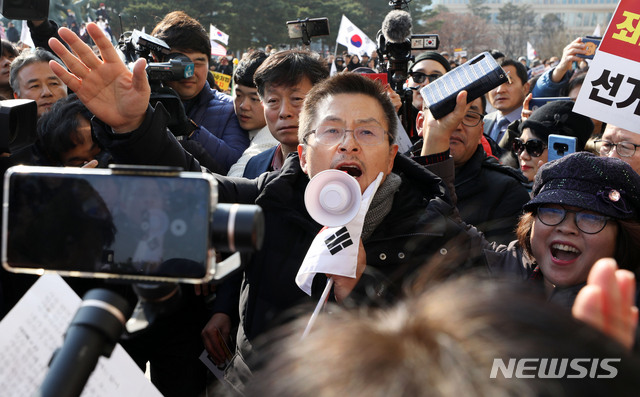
{"x":475,"y":246}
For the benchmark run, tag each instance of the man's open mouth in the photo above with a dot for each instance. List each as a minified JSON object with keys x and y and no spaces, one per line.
{"x":352,"y":170}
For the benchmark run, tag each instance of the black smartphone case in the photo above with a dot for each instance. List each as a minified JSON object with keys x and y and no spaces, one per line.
{"x":477,"y":76}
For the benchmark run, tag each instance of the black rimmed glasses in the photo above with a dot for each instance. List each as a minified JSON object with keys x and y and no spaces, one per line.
{"x":419,"y":77}
{"x":472,"y":119}
{"x":535,"y":147}
{"x":624,"y":149}
{"x":366,"y":135}
{"x":587,"y":222}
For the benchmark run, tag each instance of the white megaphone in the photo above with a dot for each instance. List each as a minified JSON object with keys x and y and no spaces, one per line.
{"x":333,"y":198}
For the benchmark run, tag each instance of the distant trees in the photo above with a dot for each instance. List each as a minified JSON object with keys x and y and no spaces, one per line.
{"x":517,"y":25}
{"x":255,"y":23}
{"x":466,"y":31}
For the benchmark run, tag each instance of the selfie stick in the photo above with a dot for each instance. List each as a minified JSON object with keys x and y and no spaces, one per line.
{"x":93,"y":332}
{"x":319,"y":306}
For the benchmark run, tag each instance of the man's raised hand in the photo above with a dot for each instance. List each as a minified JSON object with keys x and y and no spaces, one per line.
{"x":106,"y":86}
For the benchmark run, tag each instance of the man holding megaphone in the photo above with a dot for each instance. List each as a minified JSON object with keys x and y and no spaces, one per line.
{"x":347,"y":123}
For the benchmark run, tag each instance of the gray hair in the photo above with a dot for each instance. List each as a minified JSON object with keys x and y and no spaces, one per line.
{"x":27,"y":57}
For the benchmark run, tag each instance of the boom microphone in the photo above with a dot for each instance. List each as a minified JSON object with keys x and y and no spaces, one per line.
{"x":396,"y":27}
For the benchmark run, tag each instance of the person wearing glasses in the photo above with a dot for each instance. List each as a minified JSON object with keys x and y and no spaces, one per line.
{"x":620,"y":143}
{"x":490,"y":195}
{"x":583,"y":208}
{"x":555,"y":117}
{"x":426,"y":68}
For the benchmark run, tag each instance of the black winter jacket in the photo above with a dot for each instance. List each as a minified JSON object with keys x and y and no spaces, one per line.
{"x":490,"y":196}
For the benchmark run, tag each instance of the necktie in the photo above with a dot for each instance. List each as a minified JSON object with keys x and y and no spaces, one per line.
{"x":501,"y":127}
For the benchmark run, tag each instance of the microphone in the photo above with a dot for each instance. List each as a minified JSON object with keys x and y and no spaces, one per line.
{"x":396,"y":26}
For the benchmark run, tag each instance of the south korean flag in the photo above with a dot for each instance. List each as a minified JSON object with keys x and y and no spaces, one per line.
{"x":335,"y":249}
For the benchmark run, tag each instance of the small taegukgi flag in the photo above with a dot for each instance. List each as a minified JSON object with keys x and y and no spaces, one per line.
{"x":354,"y":39}
{"x":218,"y":35}
{"x":335,"y":249}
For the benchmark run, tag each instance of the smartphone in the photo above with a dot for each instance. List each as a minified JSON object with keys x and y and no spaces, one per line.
{"x":101,"y":223}
{"x":535,"y":103}
{"x":592,"y":43}
{"x":561,"y":145}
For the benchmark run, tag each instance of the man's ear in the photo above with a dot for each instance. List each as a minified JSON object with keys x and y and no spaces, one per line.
{"x":393,"y":150}
{"x":526,"y":87}
{"x":303,"y":160}
{"x":420,"y":122}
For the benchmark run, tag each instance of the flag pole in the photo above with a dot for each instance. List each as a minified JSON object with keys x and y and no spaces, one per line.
{"x":319,"y":306}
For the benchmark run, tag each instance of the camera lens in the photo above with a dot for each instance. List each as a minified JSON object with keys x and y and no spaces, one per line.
{"x":237,"y":227}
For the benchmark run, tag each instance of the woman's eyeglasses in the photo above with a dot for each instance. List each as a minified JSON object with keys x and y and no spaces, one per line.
{"x":535,"y":147}
{"x":587,"y":222}
{"x":419,"y":77}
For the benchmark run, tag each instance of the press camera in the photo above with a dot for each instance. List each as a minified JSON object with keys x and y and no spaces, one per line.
{"x":175,"y":66}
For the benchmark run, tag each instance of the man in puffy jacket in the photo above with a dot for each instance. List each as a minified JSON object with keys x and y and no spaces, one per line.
{"x":210,"y":118}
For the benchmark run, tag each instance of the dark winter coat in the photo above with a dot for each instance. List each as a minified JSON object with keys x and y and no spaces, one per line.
{"x":490,"y":196}
{"x":218,"y":129}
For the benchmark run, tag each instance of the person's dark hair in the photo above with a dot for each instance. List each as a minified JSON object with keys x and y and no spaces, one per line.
{"x":57,"y":130}
{"x":521,"y":70}
{"x":8,"y":49}
{"x":496,"y":54}
{"x":575,"y":81}
{"x":444,"y":342}
{"x":247,"y":68}
{"x":345,"y":83}
{"x":27,"y":57}
{"x":181,"y":32}
{"x":288,"y":68}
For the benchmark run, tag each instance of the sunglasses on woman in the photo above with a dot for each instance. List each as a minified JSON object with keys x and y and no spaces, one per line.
{"x":535,"y":147}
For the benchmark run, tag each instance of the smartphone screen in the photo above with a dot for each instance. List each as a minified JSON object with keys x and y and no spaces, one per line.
{"x":98,"y":224}
{"x":560,"y":145}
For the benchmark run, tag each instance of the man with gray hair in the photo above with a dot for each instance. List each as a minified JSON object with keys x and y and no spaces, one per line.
{"x":32,"y":78}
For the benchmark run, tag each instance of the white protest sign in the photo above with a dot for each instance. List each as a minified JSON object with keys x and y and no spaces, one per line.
{"x":611,"y":89}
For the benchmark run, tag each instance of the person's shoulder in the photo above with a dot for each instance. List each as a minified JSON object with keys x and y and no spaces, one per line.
{"x":492,"y":165}
{"x":491,"y":116}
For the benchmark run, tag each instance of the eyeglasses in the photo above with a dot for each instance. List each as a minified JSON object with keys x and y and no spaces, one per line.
{"x":587,"y":222}
{"x":535,"y":147}
{"x":471,"y":119}
{"x":366,"y":136}
{"x":419,"y":77}
{"x":624,"y":149}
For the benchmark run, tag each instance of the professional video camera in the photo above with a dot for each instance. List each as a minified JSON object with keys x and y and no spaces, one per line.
{"x":135,"y":45}
{"x":17,"y":124}
{"x":151,"y":226}
{"x":395,"y":42}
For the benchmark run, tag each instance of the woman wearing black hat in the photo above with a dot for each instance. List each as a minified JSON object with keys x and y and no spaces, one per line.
{"x":584,"y":208}
{"x":553,"y":118}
